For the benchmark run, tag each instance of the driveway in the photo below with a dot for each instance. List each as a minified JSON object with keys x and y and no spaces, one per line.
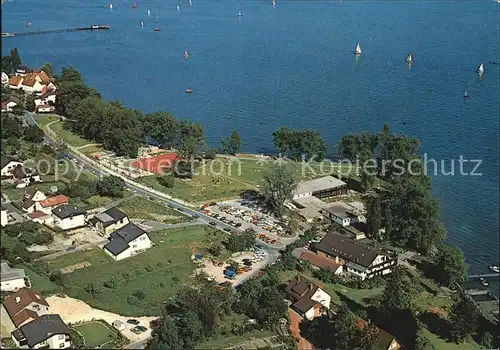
{"x":73,"y":310}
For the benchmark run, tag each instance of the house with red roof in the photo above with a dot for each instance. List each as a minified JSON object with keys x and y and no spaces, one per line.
{"x":24,"y":306}
{"x":46,"y":101}
{"x":8,"y":105}
{"x":46,"y":205}
{"x":15,"y":82}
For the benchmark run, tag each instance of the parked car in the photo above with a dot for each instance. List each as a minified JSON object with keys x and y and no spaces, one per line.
{"x":141,"y":328}
{"x":212,"y":223}
{"x":238,"y":224}
{"x":133,"y":321}
{"x":196,"y":216}
{"x":227,"y":229}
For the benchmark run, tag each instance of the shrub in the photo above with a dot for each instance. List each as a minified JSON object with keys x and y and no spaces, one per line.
{"x":57,"y":278}
{"x":132,"y":300}
{"x":139,"y":294}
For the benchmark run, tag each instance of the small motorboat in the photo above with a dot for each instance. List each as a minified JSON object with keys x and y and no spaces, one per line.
{"x":189,"y":91}
{"x":494,"y":268}
{"x":357,"y":50}
{"x":157,"y":29}
{"x":29,"y":24}
{"x":484,"y":282}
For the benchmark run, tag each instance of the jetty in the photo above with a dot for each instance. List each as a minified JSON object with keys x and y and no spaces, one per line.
{"x":485,"y":275}
{"x":52,"y":31}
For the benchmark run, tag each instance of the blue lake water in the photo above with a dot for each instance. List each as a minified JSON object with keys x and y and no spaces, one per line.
{"x":293,"y":65}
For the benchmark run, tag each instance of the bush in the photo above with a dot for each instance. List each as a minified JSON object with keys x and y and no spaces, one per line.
{"x":57,"y":278}
{"x":111,"y":284}
{"x":326,"y":276}
{"x":132,"y":300}
{"x":167,"y":180}
{"x":209,"y":154}
{"x":139,"y":294}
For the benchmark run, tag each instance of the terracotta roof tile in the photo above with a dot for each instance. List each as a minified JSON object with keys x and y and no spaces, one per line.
{"x":53,"y":201}
{"x":15,"y":80}
{"x":30,"y":79}
{"x":25,"y":298}
{"x":36,"y":214}
{"x":320,"y":261}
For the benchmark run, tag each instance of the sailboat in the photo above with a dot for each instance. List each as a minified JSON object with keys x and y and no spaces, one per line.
{"x":409,"y":58}
{"x":178,"y":8}
{"x":466,"y":94}
{"x":149,"y":13}
{"x":190,"y":2}
{"x":239,"y":13}
{"x":480,"y":69}
{"x":110,"y":6}
{"x":357,"y":50}
{"x":186,"y":53}
{"x":142,"y":23}
{"x":29,"y":24}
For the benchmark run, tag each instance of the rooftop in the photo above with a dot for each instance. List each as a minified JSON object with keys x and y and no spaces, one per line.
{"x":110,"y":216}
{"x":320,"y":261}
{"x":8,"y":273}
{"x":16,"y":303}
{"x":338,"y":210}
{"x":41,"y":329}
{"x":67,"y":210}
{"x":348,"y":249}
{"x":53,"y":201}
{"x":120,"y":238}
{"x":320,"y":184}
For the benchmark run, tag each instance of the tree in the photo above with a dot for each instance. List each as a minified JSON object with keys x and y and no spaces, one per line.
{"x":422,"y":343}
{"x":17,"y":110}
{"x":16,"y":59}
{"x":344,"y":329}
{"x":240,"y":243}
{"x":399,"y":293}
{"x":449,"y":267}
{"x":463,"y":320}
{"x":190,"y":329}
{"x":349,"y":147}
{"x":374,"y":216}
{"x":69,"y":94}
{"x":33,"y":133}
{"x":111,"y":186}
{"x":165,"y":335}
{"x":487,"y":341}
{"x":304,"y":143}
{"x":48,"y":69}
{"x":279,"y":184}
{"x":70,"y":75}
{"x":10,"y":127}
{"x":167,"y":180}
{"x":232,"y":144}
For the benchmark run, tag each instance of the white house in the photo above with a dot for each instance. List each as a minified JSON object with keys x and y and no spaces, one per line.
{"x":12,"y":279}
{"x":24,"y":176}
{"x":356,"y":258}
{"x":15,"y":82}
{"x":47,"y":331}
{"x":323,"y":187}
{"x":8,"y":165}
{"x":46,"y":205}
{"x":8,"y":105}
{"x":68,"y":216}
{"x":309,"y":300}
{"x":31,"y":196}
{"x":109,"y":221}
{"x":5,"y":78}
{"x":21,"y":71}
{"x":4,"y":218}
{"x":36,"y":82}
{"x":45,"y":102}
{"x":342,"y":215}
{"x":126,"y":242}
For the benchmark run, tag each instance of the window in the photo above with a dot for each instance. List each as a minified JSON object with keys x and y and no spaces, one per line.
{"x":134,"y":246}
{"x":60,"y":337}
{"x":61,"y":345}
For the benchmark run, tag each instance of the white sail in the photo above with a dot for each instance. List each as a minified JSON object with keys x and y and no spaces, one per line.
{"x":357,"y":50}
{"x":149,"y":13}
{"x":409,"y":58}
{"x":110,"y":6}
{"x":480,"y":69}
{"x":466,"y":93}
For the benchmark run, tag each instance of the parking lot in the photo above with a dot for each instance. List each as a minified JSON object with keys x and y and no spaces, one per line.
{"x":244,"y":214}
{"x":250,"y":263}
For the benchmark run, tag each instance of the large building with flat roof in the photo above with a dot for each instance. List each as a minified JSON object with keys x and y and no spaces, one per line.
{"x":323,"y":187}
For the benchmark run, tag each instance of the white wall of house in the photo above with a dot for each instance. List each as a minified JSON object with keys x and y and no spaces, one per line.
{"x":13,"y":285}
{"x":45,"y":220}
{"x":384,"y":268}
{"x":7,"y":169}
{"x":309,"y":314}
{"x":4,"y":218}
{"x":45,"y":100}
{"x":28,"y":180}
{"x":38,"y":196}
{"x":5,"y":78}
{"x":15,"y":87}
{"x":140,"y":243}
{"x":322,"y":297}
{"x":37,"y":87}
{"x":9,"y":105}
{"x":57,"y":341}
{"x":69,"y":223}
{"x":302,"y":195}
{"x":45,"y":109}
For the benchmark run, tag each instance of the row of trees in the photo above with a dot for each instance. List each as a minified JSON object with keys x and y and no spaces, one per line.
{"x":300,"y":143}
{"x":108,"y":186}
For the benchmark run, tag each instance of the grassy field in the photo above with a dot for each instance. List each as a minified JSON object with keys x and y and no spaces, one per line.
{"x":442,"y":344}
{"x":95,"y":334}
{"x":38,"y":282}
{"x":159,"y":272}
{"x":145,"y":209}
{"x":221,"y":179}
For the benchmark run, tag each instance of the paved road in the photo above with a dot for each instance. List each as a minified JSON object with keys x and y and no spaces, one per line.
{"x":139,"y":345}
{"x":150,"y":225}
{"x":77,"y":249}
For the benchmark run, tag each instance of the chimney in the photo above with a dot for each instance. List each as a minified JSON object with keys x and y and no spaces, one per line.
{"x":18,"y":300}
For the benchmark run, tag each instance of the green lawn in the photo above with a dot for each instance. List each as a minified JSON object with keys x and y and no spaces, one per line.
{"x":222,"y":179}
{"x":145,"y":209}
{"x":96,"y":334}
{"x":46,"y":119}
{"x":159,"y":272}
{"x":442,"y":344}
{"x":38,"y":282}
{"x":57,"y":127}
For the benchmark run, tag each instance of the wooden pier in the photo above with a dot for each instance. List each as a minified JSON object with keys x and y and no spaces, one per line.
{"x":53,"y":31}
{"x":485,"y":275}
